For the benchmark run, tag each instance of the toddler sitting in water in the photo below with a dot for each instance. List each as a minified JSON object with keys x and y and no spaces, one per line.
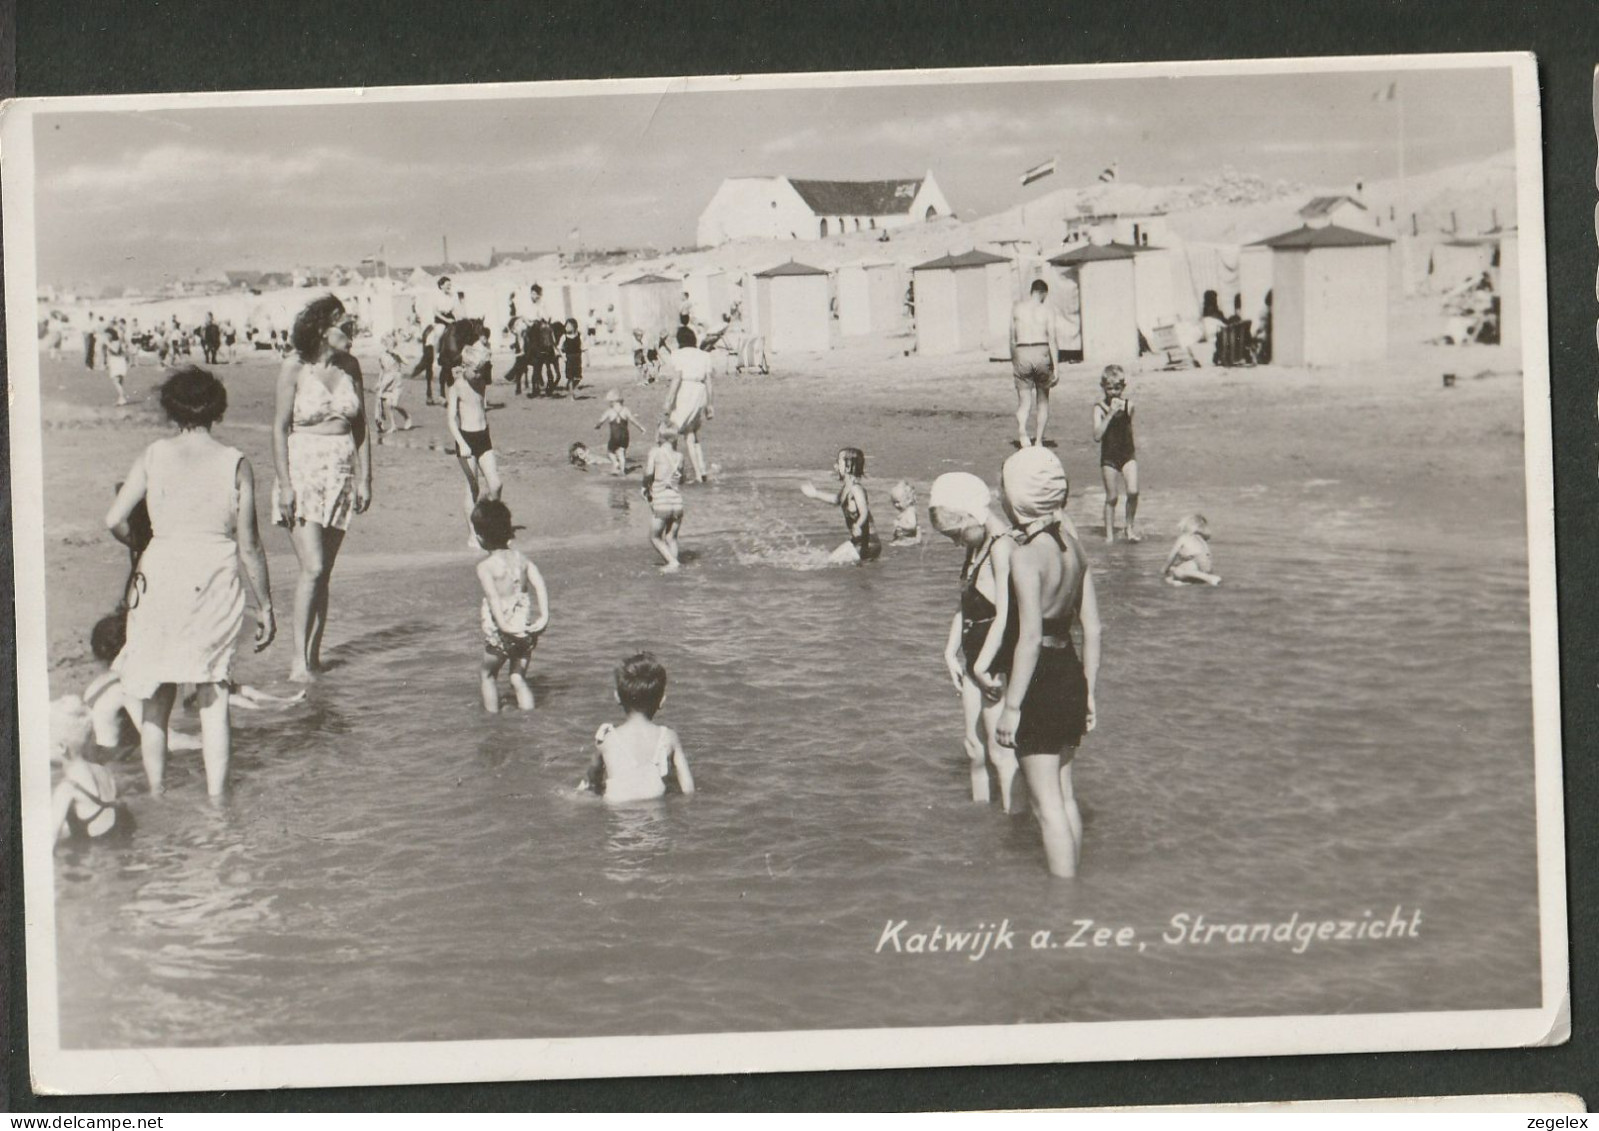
{"x":84,"y":803}
{"x":632,"y":760}
{"x":906,"y":530}
{"x":515,"y":605}
{"x":1190,"y":559}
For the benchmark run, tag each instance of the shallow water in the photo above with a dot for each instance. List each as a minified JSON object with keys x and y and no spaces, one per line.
{"x":1343,"y":727}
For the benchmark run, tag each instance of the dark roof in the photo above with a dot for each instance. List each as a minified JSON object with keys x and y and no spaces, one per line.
{"x":1330,"y":235}
{"x":1322,"y":205}
{"x":858,"y":198}
{"x":1090,"y":253}
{"x":964,"y":259}
{"x":789,"y":268}
{"x":650,"y":279}
{"x":497,"y":257}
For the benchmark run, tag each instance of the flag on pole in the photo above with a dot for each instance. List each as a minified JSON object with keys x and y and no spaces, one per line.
{"x":1109,"y":174}
{"x":1039,"y":172}
{"x":1387,"y":94}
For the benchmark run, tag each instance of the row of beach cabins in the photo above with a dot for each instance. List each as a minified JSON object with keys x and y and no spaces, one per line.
{"x":1329,"y":289}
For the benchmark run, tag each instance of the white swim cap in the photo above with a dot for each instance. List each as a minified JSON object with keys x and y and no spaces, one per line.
{"x":959,"y":495}
{"x":1035,"y":484}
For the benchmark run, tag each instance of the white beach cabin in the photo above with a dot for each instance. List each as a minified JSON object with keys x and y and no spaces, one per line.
{"x":963,"y":303}
{"x":871,"y":299}
{"x":1329,"y":296}
{"x":794,"y":309}
{"x":1107,"y":299}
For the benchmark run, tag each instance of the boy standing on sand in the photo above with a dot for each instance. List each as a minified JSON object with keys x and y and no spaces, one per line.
{"x":1118,"y":458}
{"x":1033,"y":353}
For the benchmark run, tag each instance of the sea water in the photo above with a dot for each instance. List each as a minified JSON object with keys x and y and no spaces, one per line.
{"x":1341,"y":731}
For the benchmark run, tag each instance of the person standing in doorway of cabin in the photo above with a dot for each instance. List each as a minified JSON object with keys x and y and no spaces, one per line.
{"x":1033,"y":353}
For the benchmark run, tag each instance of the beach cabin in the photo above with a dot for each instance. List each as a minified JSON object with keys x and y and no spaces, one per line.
{"x":650,"y":303}
{"x":1107,"y":299}
{"x":871,"y":299}
{"x":794,"y":308}
{"x":963,"y":303}
{"x":1329,"y":296}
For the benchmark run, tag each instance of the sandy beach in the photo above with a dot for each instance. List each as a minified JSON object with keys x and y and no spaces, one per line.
{"x":1450,"y":460}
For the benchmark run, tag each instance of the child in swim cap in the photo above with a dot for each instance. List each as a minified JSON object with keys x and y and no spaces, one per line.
{"x":907,"y":532}
{"x":619,"y":418}
{"x":863,"y":545}
{"x":1190,"y":558}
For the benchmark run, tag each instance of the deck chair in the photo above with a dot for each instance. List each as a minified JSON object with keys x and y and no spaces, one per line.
{"x":1167,"y":340}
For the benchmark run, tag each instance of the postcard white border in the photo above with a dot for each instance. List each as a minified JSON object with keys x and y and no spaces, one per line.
{"x":54,"y":1070}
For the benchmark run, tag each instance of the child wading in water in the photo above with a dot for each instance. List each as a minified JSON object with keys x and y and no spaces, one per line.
{"x":663,"y":474}
{"x":84,"y":804}
{"x":863,"y":545}
{"x":1118,"y":460}
{"x":516,"y":606}
{"x":391,"y":372}
{"x":907,"y":532}
{"x":1190,"y":558}
{"x":466,"y":414}
{"x":632,"y":761}
{"x":618,"y":417}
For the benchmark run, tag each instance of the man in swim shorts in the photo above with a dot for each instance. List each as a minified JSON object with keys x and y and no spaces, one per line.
{"x":1033,"y":352}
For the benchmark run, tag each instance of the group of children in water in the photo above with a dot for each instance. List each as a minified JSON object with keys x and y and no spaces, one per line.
{"x":635,"y":759}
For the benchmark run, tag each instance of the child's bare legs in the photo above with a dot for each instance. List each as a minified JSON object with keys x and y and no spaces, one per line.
{"x":404,"y":417}
{"x":619,"y":462}
{"x":1002,"y":758}
{"x":1113,"y":480}
{"x":122,"y":395}
{"x":1074,"y":815}
{"x":469,"y":468}
{"x":216,"y":740}
{"x":1043,"y":774}
{"x":488,"y":676}
{"x":519,"y":684}
{"x":1130,"y":474}
{"x":1190,"y":571}
{"x":491,"y":484}
{"x":975,"y":737}
{"x":155,"y":713}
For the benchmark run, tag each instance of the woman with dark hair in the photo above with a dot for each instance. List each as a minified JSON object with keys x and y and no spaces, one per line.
{"x":324,"y":464}
{"x":185,"y":603}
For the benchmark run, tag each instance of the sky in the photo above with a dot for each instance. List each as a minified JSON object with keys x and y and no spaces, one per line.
{"x":138,"y":197}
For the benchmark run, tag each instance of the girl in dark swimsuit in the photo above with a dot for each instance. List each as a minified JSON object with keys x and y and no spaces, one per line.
{"x":977,"y":652}
{"x":1049,"y":698}
{"x":863,"y":544}
{"x":1118,"y":458}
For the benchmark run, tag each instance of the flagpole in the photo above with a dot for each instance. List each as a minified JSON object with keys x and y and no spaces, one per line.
{"x":1404,"y":209}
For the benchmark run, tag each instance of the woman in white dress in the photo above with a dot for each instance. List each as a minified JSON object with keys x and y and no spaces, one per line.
{"x":688,"y":401}
{"x":324,"y":463}
{"x":185,"y":602}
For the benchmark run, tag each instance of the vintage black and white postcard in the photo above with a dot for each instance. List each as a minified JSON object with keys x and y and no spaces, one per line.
{"x":784,"y":572}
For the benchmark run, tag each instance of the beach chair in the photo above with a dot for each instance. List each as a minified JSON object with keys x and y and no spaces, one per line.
{"x":1169,"y":342}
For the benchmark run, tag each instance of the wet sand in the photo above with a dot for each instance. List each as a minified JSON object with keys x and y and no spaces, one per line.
{"x":1450,"y":459}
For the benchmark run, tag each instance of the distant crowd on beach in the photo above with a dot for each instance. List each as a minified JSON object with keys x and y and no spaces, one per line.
{"x":1022,"y":652}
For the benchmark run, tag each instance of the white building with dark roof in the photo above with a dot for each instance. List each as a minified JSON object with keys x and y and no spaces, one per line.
{"x":786,"y":208}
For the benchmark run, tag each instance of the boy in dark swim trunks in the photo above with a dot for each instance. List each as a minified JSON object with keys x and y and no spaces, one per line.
{"x":618,"y":417}
{"x":1118,"y":460}
{"x":466,"y":414}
